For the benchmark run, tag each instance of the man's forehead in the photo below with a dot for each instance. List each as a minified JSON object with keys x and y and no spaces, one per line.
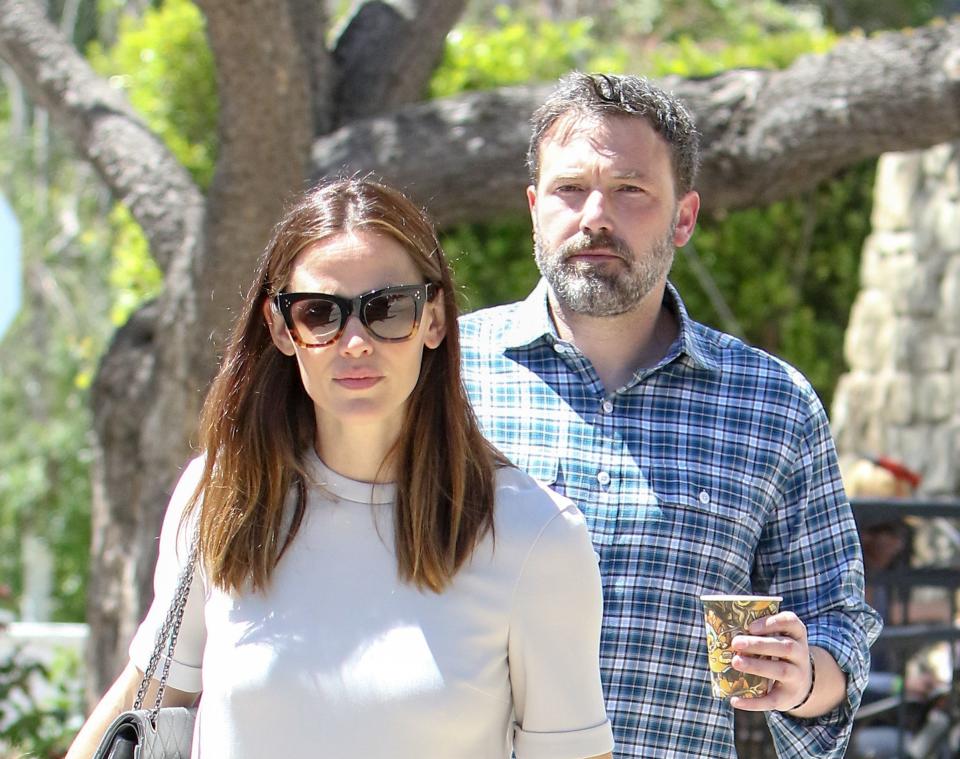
{"x":590,"y":140}
{"x":571,"y":125}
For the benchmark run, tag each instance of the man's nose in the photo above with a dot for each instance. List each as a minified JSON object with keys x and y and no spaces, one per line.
{"x":595,"y":215}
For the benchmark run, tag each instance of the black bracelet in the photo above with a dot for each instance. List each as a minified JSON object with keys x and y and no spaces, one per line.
{"x":813,"y":681}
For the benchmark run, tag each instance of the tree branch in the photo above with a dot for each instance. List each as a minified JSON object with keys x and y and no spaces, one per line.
{"x":387,"y":52}
{"x":772,"y":135}
{"x":768,"y":135}
{"x":463,"y":157}
{"x":134,"y":164}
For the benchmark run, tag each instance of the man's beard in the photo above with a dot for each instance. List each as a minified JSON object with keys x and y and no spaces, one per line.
{"x":608,"y":288}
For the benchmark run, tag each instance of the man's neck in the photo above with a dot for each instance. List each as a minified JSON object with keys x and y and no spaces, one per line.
{"x":618,"y":346}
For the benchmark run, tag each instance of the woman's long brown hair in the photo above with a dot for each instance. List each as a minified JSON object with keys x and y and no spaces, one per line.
{"x":258,"y":422}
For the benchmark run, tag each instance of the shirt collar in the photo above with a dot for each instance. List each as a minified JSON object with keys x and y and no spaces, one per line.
{"x":532,"y":322}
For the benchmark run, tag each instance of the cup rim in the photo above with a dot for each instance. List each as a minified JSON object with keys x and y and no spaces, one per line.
{"x":738,"y":597}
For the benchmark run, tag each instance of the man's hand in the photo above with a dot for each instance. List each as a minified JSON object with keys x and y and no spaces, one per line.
{"x":777,"y":647}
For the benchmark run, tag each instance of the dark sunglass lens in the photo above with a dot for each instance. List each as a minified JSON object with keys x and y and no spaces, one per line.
{"x":391,"y":316}
{"x":316,"y":320}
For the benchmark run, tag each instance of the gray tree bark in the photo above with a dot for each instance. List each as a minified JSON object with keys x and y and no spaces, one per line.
{"x":293,"y":109}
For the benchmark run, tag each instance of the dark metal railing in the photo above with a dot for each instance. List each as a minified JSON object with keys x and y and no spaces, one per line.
{"x":903,"y":636}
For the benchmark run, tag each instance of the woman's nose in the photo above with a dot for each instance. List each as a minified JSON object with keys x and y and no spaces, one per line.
{"x":355,"y":339}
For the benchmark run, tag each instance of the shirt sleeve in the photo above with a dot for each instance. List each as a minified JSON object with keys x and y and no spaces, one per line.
{"x":174,"y":548}
{"x":811,"y":556}
{"x":554,"y":647}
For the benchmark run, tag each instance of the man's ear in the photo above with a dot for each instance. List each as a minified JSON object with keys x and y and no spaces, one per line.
{"x":531,"y":197}
{"x":278,"y":328}
{"x":435,"y":329}
{"x":688,"y":207}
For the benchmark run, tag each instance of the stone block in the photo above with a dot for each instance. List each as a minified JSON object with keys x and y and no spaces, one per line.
{"x":915,"y":285}
{"x":941,"y":475}
{"x":855,"y":412}
{"x":946,"y":225}
{"x":867,"y":343}
{"x":918,"y":347}
{"x":936,"y":161}
{"x":950,"y":297}
{"x":881,"y":251}
{"x":899,"y":178}
{"x":898,"y":393}
{"x":933,"y":397}
{"x":955,"y":379}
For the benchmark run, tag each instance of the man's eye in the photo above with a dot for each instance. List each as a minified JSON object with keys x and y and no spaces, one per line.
{"x":568,"y":188}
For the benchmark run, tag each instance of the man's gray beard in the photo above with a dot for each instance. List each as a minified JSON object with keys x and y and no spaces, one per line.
{"x":606,"y":289}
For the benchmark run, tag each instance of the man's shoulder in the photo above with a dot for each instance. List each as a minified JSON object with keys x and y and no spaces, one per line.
{"x":486,"y":327}
{"x":744,"y":364}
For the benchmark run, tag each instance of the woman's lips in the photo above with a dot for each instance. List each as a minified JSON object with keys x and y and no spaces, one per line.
{"x":357,"y":383}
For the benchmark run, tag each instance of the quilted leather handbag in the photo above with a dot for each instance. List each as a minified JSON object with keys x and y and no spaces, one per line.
{"x":157,"y":733}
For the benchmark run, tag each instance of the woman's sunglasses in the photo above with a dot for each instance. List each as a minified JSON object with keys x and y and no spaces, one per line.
{"x":389,"y":314}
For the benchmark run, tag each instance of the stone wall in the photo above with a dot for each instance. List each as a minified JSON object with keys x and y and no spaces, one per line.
{"x":901,"y":396}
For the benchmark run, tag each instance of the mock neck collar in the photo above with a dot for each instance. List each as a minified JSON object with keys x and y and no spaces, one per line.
{"x":347,"y":489}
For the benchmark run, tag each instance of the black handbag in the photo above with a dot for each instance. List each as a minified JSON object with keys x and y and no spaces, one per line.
{"x":157,"y":733}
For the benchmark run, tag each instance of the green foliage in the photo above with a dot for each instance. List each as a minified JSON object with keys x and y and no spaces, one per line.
{"x":871,"y":15}
{"x":734,"y":21}
{"x":37,"y":726}
{"x":518,"y":49}
{"x":134,"y":276}
{"x":47,"y":360}
{"x":163,"y":63}
{"x":756,"y":49}
{"x":493,"y":262}
{"x":789,"y":272}
{"x":164,"y":66}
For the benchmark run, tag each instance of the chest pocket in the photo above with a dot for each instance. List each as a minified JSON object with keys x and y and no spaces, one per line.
{"x":703,"y":533}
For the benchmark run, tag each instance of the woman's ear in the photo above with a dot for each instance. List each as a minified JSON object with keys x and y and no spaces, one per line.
{"x":278,"y":328}
{"x":434,"y":314}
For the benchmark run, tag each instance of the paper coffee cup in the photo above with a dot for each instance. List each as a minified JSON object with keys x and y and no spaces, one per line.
{"x":727,"y":616}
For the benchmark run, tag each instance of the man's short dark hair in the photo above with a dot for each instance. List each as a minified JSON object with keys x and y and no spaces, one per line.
{"x":604,"y":95}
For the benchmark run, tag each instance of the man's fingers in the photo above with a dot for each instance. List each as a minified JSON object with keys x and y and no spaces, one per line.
{"x":779,"y":646}
{"x":784,"y":623}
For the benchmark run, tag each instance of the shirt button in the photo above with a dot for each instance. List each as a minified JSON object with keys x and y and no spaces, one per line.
{"x":607,"y":407}
{"x":603,"y":478}
{"x":560,"y":347}
{"x":704,"y":497}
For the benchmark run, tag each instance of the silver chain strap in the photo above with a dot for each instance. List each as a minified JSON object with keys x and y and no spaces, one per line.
{"x":169,"y":631}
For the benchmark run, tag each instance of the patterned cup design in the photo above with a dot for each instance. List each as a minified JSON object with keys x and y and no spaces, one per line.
{"x":727,"y":616}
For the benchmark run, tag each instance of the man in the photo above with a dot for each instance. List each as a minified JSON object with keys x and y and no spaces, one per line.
{"x":702,"y":464}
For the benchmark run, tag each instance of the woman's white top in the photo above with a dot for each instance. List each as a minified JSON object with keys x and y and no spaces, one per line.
{"x":341,"y":659}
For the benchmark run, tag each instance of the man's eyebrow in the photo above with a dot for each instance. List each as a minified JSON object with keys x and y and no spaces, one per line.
{"x":630,"y":174}
{"x":568,"y":174}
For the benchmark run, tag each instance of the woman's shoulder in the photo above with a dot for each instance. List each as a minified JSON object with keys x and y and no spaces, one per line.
{"x":526,"y":507}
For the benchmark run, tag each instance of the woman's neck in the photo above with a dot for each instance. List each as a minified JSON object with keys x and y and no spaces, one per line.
{"x":358,"y":453}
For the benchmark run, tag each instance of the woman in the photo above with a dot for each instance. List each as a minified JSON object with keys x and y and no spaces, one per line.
{"x":374,"y":579}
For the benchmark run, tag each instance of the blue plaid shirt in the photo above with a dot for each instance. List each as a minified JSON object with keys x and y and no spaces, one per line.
{"x":713,"y":471}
